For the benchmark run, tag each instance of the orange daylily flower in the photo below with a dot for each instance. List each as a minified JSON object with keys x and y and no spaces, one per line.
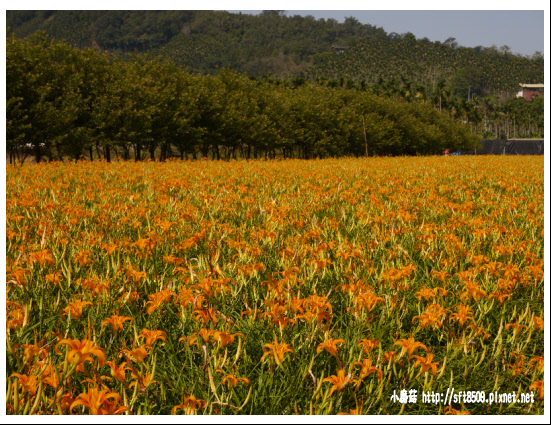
{"x":451,"y":411}
{"x":206,"y":314}
{"x":190,"y":405}
{"x":65,"y":401}
{"x":93,"y":399}
{"x":389,"y":357}
{"x":330,"y":346}
{"x":74,"y":309}
{"x":368,"y":345}
{"x":409,"y":346}
{"x":339,"y":381}
{"x":82,"y":351}
{"x":427,"y":293}
{"x":515,"y":326}
{"x":367,"y":300}
{"x":42,"y":257}
{"x":151,"y":336}
{"x":538,"y":362}
{"x":143,"y":381}
{"x":431,"y":316}
{"x":137,"y":354}
{"x":53,"y":277}
{"x":539,"y":386}
{"x":463,"y":315}
{"x":368,"y":369}
{"x":277,"y":350}
{"x":31,"y":350}
{"x":425,"y":363}
{"x":109,"y":247}
{"x":118,"y":372}
{"x":113,"y":408}
{"x":82,"y":258}
{"x":158,"y":298}
{"x":116,"y":322}
{"x":538,"y":323}
{"x":205,"y":334}
{"x":225,"y":338}
{"x":49,"y":377}
{"x":232,"y":380}
{"x":28,"y":383}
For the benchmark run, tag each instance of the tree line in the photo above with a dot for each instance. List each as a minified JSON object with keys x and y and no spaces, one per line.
{"x":64,"y":102}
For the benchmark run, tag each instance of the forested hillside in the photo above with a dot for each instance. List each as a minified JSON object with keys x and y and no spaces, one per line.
{"x":64,"y":102}
{"x":287,"y":47}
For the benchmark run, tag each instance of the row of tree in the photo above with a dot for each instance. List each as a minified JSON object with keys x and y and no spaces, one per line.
{"x":63,"y":102}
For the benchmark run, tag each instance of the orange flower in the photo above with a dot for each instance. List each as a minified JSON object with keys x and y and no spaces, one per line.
{"x":425,"y":363}
{"x":539,"y":386}
{"x":367,"y":300}
{"x":277,"y":351}
{"x":93,"y":400}
{"x":190,"y":405}
{"x":28,"y":383}
{"x":389,"y":357}
{"x":224,"y":338}
{"x":431,"y":316}
{"x":82,"y":258}
{"x":205,"y":334}
{"x":339,"y":381}
{"x":515,"y":326}
{"x":16,"y":318}
{"x":368,"y":344}
{"x":367,"y":369}
{"x":49,"y":377}
{"x":42,"y":257}
{"x":137,"y":354}
{"x":74,"y":309}
{"x":66,"y":401}
{"x":118,"y":372}
{"x":53,"y":277}
{"x":82,"y":351}
{"x":112,"y":408}
{"x":538,"y":323}
{"x":109,"y":247}
{"x":206,"y":314}
{"x":463,"y":315}
{"x":330,"y":346}
{"x":158,"y":298}
{"x":116,"y":322}
{"x":152,"y":336}
{"x":31,"y":350}
{"x":451,"y":411}
{"x":427,"y":293}
{"x":232,"y":380}
{"x":143,"y":381}
{"x":538,"y":362}
{"x":410,"y":346}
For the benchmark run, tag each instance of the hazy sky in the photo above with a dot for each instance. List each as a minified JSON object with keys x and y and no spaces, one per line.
{"x":481,"y":22}
{"x":521,"y":30}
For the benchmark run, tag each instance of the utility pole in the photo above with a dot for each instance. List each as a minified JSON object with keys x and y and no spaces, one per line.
{"x":365,"y":135}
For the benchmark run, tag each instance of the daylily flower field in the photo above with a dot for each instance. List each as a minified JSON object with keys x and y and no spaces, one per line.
{"x":274,"y":287}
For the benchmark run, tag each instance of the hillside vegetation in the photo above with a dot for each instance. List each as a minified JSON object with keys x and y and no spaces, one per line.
{"x":286,"y":47}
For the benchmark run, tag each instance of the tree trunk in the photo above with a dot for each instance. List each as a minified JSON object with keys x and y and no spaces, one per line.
{"x":37,"y":153}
